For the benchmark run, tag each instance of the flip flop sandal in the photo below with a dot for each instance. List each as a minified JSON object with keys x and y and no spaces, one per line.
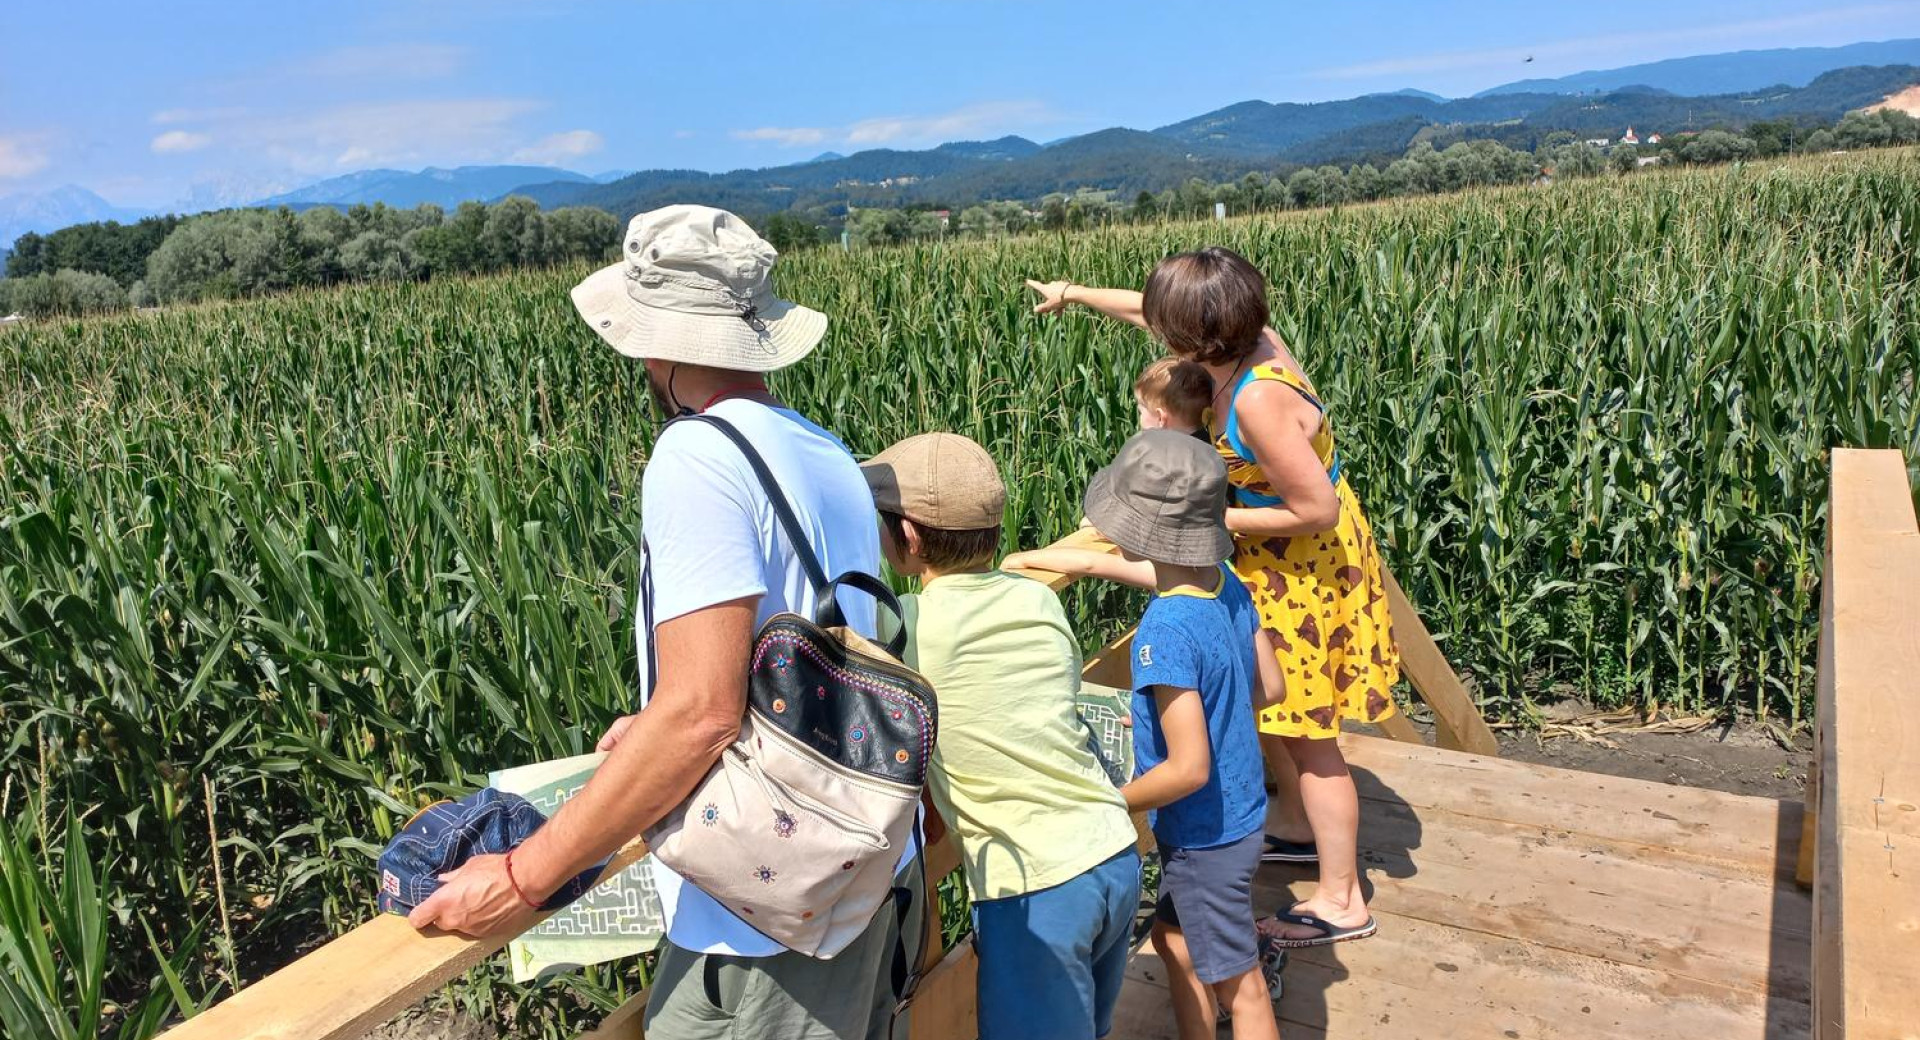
{"x":1281,"y":851}
{"x":1330,"y":933}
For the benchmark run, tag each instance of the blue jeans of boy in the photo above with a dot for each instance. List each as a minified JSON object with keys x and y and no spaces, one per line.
{"x":1069,"y":942}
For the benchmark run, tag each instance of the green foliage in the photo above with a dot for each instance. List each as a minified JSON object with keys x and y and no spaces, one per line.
{"x":65,"y":293}
{"x":54,"y":943}
{"x":337,"y":554}
{"x":116,"y":250}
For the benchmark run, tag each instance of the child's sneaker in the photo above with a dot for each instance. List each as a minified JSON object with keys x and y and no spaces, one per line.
{"x":1273,"y":961}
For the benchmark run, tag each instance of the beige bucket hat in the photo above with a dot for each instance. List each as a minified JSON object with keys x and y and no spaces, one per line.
{"x":694,"y":285}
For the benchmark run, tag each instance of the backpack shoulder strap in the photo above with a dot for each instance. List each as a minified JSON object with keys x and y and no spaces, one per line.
{"x":827,"y":608}
{"x":782,"y":509}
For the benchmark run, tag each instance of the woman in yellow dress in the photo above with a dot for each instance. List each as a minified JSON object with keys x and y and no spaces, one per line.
{"x":1304,"y":549}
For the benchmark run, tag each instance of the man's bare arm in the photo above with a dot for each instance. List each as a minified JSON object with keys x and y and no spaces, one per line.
{"x":657,"y":758}
{"x":693,"y":715}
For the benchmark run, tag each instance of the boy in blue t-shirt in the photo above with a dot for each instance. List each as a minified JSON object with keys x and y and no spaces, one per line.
{"x":1196,"y":660}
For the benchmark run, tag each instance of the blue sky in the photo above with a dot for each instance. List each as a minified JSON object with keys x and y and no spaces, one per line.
{"x":148,"y":103}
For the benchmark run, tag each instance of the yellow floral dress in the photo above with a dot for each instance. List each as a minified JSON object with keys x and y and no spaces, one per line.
{"x":1321,"y":597}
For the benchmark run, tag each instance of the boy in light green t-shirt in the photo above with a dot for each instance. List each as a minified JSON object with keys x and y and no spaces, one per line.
{"x":1045,"y":837}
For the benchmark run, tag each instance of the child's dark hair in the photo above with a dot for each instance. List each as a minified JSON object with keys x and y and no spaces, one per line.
{"x":1209,"y":305}
{"x":1181,"y":387}
{"x":945,"y":550}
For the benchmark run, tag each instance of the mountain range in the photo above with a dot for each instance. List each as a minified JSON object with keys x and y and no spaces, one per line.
{"x":444,"y":188}
{"x":1730,"y":73}
{"x":1223,"y":144}
{"x":47,"y":210}
{"x":1809,"y":84}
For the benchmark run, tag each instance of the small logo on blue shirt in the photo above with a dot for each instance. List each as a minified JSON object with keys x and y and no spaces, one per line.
{"x":1146,"y":655}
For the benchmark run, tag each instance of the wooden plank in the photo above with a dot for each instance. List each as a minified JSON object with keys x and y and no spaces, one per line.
{"x":1398,"y":727}
{"x":1457,"y":721}
{"x":1083,"y":538}
{"x":1810,"y":822}
{"x":1112,"y":665}
{"x":358,"y":981}
{"x":1419,"y":981}
{"x":943,"y":1007}
{"x":1664,"y":819}
{"x":1867,"y":860}
{"x":1582,"y":896}
{"x":625,"y":1022}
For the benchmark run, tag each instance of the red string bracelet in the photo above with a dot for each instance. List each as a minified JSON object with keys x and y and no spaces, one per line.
{"x":515,"y":883}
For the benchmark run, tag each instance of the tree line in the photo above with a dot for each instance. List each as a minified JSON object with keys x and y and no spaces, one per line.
{"x":1425,"y":169}
{"x":90,"y":268}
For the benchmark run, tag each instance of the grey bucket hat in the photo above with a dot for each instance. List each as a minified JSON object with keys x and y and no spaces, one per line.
{"x":694,"y":284}
{"x":1163,"y":498}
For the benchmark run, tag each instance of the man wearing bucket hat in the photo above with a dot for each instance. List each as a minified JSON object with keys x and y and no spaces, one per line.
{"x":692,"y":299}
{"x":1196,"y":661}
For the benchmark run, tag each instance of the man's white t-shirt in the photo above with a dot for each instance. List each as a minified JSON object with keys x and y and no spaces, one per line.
{"x":711,"y":536}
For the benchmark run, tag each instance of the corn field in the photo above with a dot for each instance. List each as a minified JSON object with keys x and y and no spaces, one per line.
{"x":273,"y":574}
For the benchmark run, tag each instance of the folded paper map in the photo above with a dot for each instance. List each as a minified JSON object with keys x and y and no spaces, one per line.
{"x":620,"y":917}
{"x":1104,"y":710}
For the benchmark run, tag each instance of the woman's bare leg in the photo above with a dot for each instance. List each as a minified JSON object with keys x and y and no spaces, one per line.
{"x":1333,"y":807}
{"x":1288,"y":821}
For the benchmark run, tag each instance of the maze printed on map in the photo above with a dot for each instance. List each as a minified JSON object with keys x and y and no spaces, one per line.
{"x":1103,"y":710}
{"x":619,"y":918}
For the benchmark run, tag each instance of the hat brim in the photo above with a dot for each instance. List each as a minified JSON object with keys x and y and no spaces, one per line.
{"x":1146,"y":538}
{"x":718,"y":341}
{"x":884,"y":482}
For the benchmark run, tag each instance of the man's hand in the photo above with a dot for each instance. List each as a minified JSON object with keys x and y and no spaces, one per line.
{"x":615,"y":732}
{"x":1053,"y":295}
{"x":477,"y":899}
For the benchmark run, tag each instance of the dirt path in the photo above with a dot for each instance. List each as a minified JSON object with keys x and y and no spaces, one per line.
{"x":1743,"y":758}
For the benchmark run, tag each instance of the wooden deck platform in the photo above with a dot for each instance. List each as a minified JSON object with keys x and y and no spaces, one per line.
{"x":1520,"y":901}
{"x":1515,"y":901}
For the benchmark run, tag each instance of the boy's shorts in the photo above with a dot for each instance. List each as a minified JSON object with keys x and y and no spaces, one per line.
{"x":1069,"y":942}
{"x":1208,"y":895}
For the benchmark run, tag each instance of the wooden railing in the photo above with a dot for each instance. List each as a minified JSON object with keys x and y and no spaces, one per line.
{"x":352,"y":985}
{"x":1864,"y":787}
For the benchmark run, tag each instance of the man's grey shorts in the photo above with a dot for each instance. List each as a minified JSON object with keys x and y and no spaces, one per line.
{"x":789,"y":996}
{"x":1208,"y":895}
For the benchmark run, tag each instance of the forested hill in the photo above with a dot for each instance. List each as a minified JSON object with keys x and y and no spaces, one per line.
{"x":1250,"y":136}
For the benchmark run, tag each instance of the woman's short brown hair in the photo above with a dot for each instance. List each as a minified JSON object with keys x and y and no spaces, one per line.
{"x":946,"y":550}
{"x":1208,"y":306}
{"x":1181,"y":387}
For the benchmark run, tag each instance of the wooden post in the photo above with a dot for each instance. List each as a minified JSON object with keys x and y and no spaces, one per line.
{"x":1457,"y":722}
{"x":1866,"y":870}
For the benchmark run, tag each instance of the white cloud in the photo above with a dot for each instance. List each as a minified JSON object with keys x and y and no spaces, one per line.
{"x":388,"y":133}
{"x":683,"y":135}
{"x":790,"y":136}
{"x":21,"y":156}
{"x":556,"y":149}
{"x":174,"y":116}
{"x":179,"y":141}
{"x":1758,"y":31}
{"x":982,"y":120}
{"x":971,"y":121}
